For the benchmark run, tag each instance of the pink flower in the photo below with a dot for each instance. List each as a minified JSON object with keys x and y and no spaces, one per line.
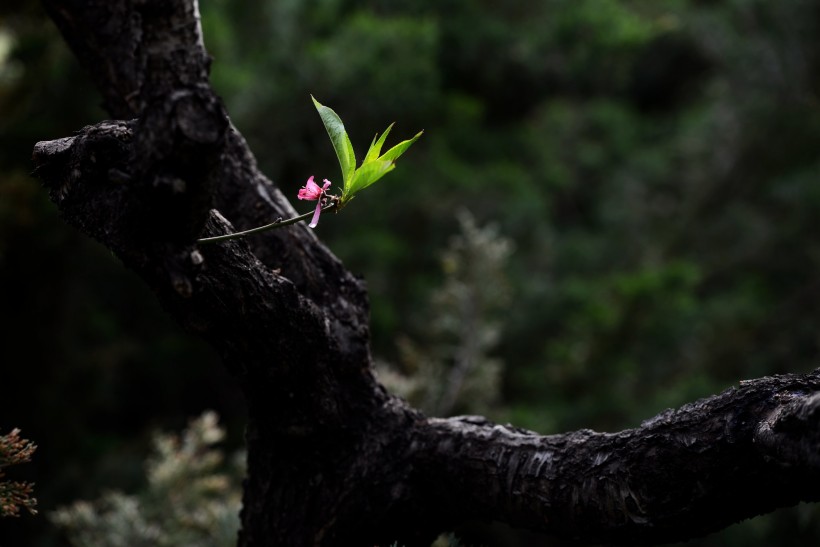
{"x":312,"y":191}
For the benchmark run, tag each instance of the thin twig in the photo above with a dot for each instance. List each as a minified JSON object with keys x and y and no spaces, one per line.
{"x":278,"y":223}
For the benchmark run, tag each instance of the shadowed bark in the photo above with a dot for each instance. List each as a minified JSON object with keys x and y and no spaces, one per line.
{"x":333,"y":459}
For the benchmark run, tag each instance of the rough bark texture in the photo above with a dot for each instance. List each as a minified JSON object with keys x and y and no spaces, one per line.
{"x":332,"y":458}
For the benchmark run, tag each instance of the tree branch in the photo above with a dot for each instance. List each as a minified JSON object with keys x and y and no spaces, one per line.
{"x":304,"y":365}
{"x":252,"y":314}
{"x":682,"y":474}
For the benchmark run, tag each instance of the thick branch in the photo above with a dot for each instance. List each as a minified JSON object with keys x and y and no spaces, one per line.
{"x":274,"y":337}
{"x":680,"y":475}
{"x":314,"y":406}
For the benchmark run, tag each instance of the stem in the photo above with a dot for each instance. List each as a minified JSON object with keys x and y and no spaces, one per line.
{"x":278,"y":223}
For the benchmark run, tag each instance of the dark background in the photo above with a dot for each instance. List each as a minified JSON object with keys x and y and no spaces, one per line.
{"x":654,"y":163}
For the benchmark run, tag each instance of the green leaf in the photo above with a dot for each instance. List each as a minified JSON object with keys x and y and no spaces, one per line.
{"x":341,"y":142}
{"x":369,"y":173}
{"x":373,"y":166}
{"x":394,"y":153}
{"x":376,"y":146}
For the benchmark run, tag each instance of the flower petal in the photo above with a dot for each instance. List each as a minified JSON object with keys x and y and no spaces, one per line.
{"x":310,"y":190}
{"x":315,"y":220}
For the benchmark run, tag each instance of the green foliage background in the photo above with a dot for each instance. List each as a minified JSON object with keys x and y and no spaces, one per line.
{"x":655,"y":163}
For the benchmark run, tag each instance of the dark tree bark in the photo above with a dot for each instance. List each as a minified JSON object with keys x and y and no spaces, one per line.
{"x":333,"y":459}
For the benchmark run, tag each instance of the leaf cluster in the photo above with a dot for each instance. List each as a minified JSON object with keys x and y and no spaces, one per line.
{"x":374,"y":166}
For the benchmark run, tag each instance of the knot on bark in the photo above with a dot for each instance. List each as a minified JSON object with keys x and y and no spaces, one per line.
{"x":158,"y":172}
{"x":791,"y":433}
{"x":95,"y":150}
{"x":88,"y":177}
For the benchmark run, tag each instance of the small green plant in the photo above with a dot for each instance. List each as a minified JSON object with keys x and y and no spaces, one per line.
{"x":374,"y":166}
{"x":15,"y":495}
{"x":192,"y":498}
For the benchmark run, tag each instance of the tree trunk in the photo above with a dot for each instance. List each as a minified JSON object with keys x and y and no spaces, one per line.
{"x":333,"y":459}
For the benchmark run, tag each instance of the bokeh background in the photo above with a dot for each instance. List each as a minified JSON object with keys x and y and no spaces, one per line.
{"x":620,"y":199}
